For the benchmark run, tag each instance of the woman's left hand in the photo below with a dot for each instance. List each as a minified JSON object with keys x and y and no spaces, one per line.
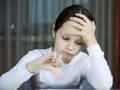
{"x":86,"y":27}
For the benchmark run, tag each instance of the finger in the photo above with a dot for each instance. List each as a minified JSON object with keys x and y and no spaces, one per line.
{"x":83,"y":16}
{"x":76,"y":25}
{"x":59,"y":62}
{"x":78,"y":20}
{"x":54,"y":56}
{"x":58,"y":58}
{"x":75,"y":34}
{"x":56,"y":73}
{"x":45,"y":58}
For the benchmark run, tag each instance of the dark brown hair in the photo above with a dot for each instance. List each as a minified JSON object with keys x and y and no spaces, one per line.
{"x":70,"y":11}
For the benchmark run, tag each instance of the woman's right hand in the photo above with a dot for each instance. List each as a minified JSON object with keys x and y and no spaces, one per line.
{"x":46,"y":62}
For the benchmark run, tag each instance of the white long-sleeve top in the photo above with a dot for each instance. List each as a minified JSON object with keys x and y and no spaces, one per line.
{"x":93,"y":67}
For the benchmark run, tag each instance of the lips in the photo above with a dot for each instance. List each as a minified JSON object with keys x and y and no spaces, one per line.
{"x":68,"y":53}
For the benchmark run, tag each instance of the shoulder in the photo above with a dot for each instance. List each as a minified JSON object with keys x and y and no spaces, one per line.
{"x":40,"y":51}
{"x":33,"y":54}
{"x":45,"y":51}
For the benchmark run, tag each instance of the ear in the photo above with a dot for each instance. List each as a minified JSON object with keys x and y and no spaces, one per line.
{"x":53,"y":32}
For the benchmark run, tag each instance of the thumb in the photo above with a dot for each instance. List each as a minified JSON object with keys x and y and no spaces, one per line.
{"x":56,"y":73}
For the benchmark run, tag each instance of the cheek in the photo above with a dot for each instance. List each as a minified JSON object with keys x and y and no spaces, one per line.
{"x":78,"y":49}
{"x":58,"y":43}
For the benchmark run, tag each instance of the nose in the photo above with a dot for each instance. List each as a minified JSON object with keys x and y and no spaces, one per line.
{"x":70,"y":46}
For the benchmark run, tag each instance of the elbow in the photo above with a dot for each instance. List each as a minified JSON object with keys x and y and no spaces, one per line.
{"x":106,"y":85}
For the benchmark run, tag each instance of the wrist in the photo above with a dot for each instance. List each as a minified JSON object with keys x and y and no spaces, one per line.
{"x":30,"y":67}
{"x":91,"y":42}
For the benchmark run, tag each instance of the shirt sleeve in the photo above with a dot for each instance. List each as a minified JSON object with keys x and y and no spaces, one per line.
{"x":98,"y":73}
{"x":12,"y":79}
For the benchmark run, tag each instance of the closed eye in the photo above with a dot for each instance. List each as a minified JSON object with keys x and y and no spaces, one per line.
{"x":65,"y":38}
{"x":79,"y":43}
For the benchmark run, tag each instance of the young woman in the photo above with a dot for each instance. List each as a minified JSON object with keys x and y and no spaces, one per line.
{"x":64,"y":65}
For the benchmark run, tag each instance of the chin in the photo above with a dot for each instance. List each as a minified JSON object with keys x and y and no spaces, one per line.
{"x":67,"y":59}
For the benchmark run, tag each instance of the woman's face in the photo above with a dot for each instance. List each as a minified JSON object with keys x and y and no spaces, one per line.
{"x":66,"y":44}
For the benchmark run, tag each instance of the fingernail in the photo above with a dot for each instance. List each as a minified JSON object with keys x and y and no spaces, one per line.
{"x":71,"y":17}
{"x":77,"y":13}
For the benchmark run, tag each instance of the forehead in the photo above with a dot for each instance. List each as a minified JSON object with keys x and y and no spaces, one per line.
{"x":66,"y":29}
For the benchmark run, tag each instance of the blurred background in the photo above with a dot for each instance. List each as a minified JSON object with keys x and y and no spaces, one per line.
{"x":26,"y":25}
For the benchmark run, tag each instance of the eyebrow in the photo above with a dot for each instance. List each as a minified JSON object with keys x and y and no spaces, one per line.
{"x":63,"y":33}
